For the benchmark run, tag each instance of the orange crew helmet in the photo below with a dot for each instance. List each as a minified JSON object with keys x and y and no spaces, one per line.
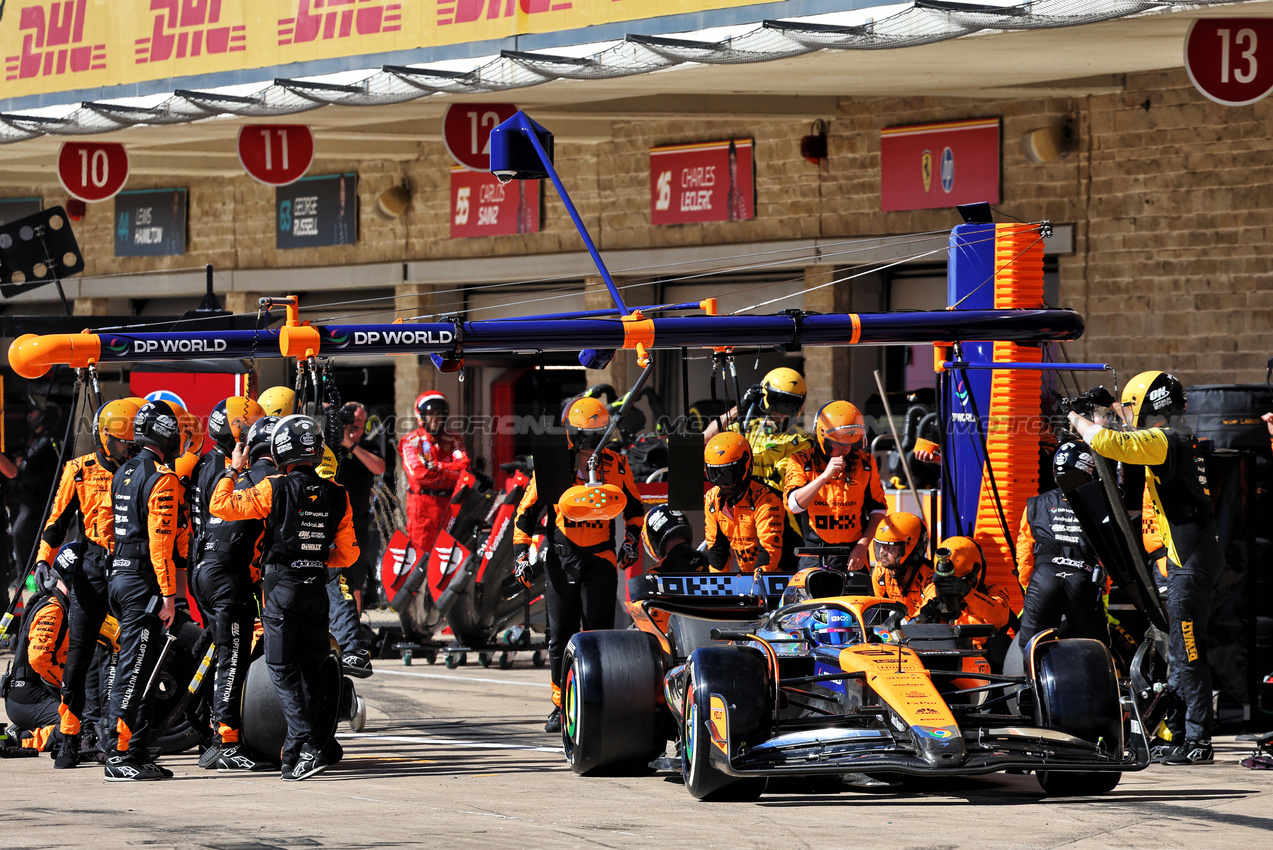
{"x":839,"y":429}
{"x":727,"y":460}
{"x":191,"y":430}
{"x":277,"y":401}
{"x":585,"y":419}
{"x":231,"y":418}
{"x":184,"y":465}
{"x":900,"y":539}
{"x":115,"y":428}
{"x":966,"y":558}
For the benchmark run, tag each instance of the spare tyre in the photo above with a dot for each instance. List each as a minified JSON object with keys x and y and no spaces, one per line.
{"x":265,"y":727}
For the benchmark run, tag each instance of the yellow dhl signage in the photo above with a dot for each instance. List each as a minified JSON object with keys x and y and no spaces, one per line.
{"x":64,"y":45}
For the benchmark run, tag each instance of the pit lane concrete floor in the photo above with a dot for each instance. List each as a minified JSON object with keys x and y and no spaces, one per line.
{"x":457,"y":758}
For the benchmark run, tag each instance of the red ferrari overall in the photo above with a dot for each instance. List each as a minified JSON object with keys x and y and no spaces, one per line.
{"x":433,"y":463}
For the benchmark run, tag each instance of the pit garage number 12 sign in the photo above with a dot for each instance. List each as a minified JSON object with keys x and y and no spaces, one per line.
{"x":1230,"y":60}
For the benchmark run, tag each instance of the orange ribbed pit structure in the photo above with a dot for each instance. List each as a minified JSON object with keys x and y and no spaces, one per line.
{"x":1015,"y":415}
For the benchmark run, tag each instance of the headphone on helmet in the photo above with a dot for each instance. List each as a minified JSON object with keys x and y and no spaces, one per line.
{"x":661,"y":524}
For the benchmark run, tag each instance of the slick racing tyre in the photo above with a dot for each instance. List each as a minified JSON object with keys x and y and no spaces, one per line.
{"x":265,"y":727}
{"x":1078,"y":694}
{"x":737,"y":679}
{"x":611,"y":702}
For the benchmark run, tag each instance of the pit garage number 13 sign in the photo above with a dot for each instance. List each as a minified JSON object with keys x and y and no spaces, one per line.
{"x":1230,"y":60}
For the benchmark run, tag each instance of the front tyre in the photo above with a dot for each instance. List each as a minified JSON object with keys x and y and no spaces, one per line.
{"x":734,"y":681}
{"x":1077,"y":689}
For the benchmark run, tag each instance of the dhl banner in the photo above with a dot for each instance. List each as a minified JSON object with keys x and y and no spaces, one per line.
{"x":68,"y":45}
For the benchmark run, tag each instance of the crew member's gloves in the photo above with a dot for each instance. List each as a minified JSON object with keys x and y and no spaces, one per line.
{"x":951,"y":586}
{"x":42,"y":572}
{"x":1099,"y":397}
{"x":930,"y":613}
{"x":1063,"y":406}
{"x":630,"y":551}
{"x":523,"y":570}
{"x":754,"y":396}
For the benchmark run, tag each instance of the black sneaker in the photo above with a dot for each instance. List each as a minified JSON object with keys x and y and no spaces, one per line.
{"x":125,"y":768}
{"x":357,"y":663}
{"x":309,"y":763}
{"x":1191,"y":752}
{"x":208,"y":758}
{"x":553,"y":723}
{"x":68,"y":755}
{"x":1158,"y":752}
{"x":236,"y":759}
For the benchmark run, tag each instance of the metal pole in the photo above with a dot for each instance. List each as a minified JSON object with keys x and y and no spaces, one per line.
{"x":530,"y":133}
{"x":897,"y":441}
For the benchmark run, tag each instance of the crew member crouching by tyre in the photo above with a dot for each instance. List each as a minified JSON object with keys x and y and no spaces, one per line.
{"x":309,"y":530}
{"x":834,"y":488}
{"x":581,"y":566}
{"x":667,"y":535}
{"x":902,"y":570}
{"x":1062,"y":576}
{"x":148,"y":540}
{"x":224,"y":580}
{"x":741,"y":515}
{"x":32,"y":687}
{"x":958,"y":592}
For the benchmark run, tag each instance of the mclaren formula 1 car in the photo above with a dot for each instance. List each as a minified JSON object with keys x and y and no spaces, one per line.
{"x":782,"y":676}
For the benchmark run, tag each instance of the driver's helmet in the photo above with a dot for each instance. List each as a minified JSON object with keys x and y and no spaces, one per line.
{"x":836,"y":628}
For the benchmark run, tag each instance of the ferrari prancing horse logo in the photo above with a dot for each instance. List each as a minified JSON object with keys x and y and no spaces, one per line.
{"x":926,"y":169}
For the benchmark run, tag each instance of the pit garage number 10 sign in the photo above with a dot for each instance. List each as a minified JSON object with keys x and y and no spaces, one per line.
{"x":1230,"y":60}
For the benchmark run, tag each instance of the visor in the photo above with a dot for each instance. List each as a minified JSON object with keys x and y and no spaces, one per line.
{"x":781,"y":403}
{"x":844,"y":439}
{"x":586,"y":438}
{"x":888,"y":554}
{"x":726,"y":475}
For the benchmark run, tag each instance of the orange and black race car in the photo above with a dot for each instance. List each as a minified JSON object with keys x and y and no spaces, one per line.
{"x":782,"y":676}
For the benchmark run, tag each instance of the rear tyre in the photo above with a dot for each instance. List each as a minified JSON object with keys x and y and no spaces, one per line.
{"x":1078,"y":694}
{"x":739,"y":677}
{"x":611,"y":701}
